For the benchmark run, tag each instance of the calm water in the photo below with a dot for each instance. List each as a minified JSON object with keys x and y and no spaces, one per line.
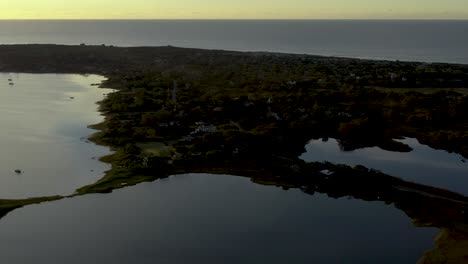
{"x":211,"y":219}
{"x":422,"y":165}
{"x":430,"y":41}
{"x":44,"y":121}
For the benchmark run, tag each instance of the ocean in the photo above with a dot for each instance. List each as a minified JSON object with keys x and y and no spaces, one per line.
{"x":406,"y":40}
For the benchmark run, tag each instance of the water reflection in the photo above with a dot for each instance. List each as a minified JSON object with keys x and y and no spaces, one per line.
{"x":211,"y":219}
{"x":44,"y":119}
{"x":207,"y":218}
{"x":422,"y":165}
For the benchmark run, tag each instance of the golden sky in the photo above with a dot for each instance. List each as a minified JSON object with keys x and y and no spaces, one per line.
{"x":237,"y":9}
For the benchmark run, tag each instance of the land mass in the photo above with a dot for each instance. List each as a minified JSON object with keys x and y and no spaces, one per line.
{"x":251,"y":113}
{"x":220,"y":109}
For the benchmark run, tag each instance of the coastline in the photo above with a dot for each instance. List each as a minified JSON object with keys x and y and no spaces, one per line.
{"x":286,"y":171}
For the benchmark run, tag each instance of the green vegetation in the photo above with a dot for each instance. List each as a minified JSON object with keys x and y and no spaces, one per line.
{"x":269,"y":122}
{"x":250,"y":114}
{"x":182,"y":110}
{"x":7,"y":206}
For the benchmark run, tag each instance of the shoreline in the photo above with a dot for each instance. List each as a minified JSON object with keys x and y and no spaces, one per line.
{"x":201,"y":70}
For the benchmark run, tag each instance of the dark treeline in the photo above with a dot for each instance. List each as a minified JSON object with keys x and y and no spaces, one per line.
{"x":240,"y":70}
{"x":269,"y":121}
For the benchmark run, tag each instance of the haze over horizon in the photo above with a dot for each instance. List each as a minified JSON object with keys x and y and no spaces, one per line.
{"x":241,"y":9}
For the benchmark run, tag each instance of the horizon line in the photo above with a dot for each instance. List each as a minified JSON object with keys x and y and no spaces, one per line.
{"x":240,"y":19}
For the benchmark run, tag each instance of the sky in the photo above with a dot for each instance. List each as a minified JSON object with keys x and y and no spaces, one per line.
{"x":234,"y":9}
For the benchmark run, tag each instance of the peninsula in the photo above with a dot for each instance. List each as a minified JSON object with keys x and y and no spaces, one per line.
{"x":179,"y":110}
